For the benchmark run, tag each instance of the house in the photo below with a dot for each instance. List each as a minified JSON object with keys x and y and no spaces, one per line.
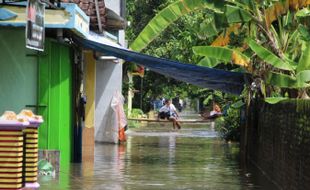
{"x":69,"y":86}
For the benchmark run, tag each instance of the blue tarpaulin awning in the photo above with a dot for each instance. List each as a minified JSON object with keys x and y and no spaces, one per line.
{"x":217,"y":79}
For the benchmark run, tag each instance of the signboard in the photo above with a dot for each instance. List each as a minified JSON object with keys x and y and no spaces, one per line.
{"x":35,"y":25}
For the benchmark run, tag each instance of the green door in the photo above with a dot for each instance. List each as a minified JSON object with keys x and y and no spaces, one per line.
{"x":55,"y":99}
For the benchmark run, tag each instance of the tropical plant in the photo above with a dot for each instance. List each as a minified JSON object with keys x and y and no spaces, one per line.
{"x":171,"y":44}
{"x":269,"y":52}
{"x":164,"y":18}
{"x":269,"y":45}
{"x":229,"y":126}
{"x":268,"y":39}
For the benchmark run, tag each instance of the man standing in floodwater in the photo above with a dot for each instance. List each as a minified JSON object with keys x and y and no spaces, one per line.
{"x":170,"y":112}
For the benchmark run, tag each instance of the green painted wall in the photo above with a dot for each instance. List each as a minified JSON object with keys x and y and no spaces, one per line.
{"x":55,"y":86}
{"x":18,"y":72}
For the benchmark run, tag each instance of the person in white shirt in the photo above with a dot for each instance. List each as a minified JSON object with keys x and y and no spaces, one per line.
{"x":170,"y":112}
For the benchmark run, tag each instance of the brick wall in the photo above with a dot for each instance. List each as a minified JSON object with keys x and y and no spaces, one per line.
{"x":278,"y":141}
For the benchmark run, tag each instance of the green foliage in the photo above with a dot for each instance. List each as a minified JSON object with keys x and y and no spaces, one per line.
{"x":303,"y":13}
{"x":288,"y":81}
{"x":274,"y":100}
{"x":162,"y":20}
{"x":304,"y":61}
{"x":172,"y":44}
{"x":209,"y":62}
{"x":135,"y":113}
{"x":281,"y":80}
{"x":235,"y":14}
{"x":304,"y":33}
{"x":229,"y":126}
{"x":238,"y":104}
{"x":139,"y":13}
{"x":269,"y":57}
{"x":221,"y":53}
{"x":126,"y":86}
{"x":218,"y":53}
{"x":276,"y":45}
{"x":237,"y":40}
{"x":216,"y":96}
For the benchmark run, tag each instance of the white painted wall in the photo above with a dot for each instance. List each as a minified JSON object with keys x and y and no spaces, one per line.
{"x":113,"y":5}
{"x":108,"y":80}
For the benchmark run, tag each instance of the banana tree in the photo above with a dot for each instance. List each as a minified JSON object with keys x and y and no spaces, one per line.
{"x":289,"y":72}
{"x":227,"y":12}
{"x":169,"y":15}
{"x":163,"y":19}
{"x":264,"y":55}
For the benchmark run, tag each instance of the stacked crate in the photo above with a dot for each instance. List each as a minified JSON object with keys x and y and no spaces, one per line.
{"x":11,"y":155}
{"x":31,"y":155}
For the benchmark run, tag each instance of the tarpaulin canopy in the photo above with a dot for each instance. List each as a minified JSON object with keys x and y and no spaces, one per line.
{"x":225,"y":81}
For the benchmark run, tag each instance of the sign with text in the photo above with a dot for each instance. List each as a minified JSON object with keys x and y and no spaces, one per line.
{"x":35,"y":33}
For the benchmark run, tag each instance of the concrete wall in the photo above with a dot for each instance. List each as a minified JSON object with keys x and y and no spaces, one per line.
{"x":108,"y":80}
{"x":279,"y":142}
{"x":115,"y":6}
{"x":18,"y":72}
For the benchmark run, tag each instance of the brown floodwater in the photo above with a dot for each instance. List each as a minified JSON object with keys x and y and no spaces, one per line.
{"x":157,"y":157}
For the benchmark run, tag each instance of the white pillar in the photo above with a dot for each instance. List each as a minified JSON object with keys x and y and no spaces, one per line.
{"x":130,"y":93}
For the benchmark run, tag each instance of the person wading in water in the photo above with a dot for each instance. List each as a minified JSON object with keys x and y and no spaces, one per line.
{"x":170,"y":112}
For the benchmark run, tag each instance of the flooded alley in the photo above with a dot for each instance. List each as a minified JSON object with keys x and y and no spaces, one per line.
{"x":157,"y":157}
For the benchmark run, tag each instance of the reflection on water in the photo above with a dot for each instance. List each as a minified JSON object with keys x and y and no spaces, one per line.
{"x":155,"y":157}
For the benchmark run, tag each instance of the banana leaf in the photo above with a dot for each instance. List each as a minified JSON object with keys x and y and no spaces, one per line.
{"x":303,"y":78}
{"x":304,"y":61}
{"x":238,"y":104}
{"x":303,"y":12}
{"x":304,"y":33}
{"x":209,"y":62}
{"x":280,"y":8}
{"x":208,"y":27}
{"x":222,"y":54}
{"x":237,"y":15}
{"x":281,"y":80}
{"x":269,"y":57}
{"x":274,"y":100}
{"x":168,"y":15}
{"x":286,"y":81}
